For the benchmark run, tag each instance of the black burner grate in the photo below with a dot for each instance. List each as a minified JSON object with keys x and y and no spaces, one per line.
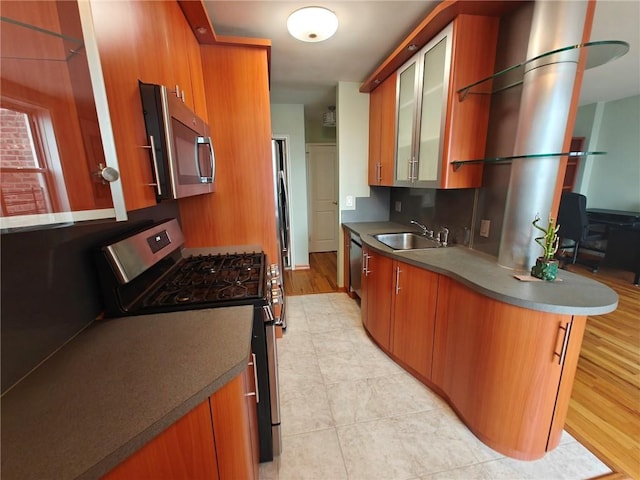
{"x":207,"y":279}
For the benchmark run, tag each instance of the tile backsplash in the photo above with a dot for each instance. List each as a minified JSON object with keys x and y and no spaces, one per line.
{"x":452,"y":209}
{"x":50,"y":286}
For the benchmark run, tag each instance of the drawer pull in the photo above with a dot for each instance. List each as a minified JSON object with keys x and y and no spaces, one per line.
{"x":255,"y":379}
{"x":565,"y":343}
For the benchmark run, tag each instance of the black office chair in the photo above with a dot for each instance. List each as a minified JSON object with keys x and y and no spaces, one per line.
{"x":574,"y":224}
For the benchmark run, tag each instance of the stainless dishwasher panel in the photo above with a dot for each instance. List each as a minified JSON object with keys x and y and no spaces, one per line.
{"x":355,"y":264}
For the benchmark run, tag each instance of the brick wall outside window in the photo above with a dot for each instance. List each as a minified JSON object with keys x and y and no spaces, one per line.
{"x":22,"y":192}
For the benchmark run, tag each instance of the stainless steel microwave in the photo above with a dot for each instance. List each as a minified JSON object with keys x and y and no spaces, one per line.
{"x":181,"y":151}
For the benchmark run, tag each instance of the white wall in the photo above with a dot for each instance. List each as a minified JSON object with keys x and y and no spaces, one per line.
{"x":353,"y":141}
{"x":288,"y":119}
{"x":353,"y":151}
{"x":612,"y":181}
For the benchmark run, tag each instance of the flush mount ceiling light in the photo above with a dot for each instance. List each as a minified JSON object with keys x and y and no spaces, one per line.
{"x":312,"y":24}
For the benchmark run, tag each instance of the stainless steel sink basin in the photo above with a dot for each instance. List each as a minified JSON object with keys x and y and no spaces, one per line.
{"x":406,"y":241}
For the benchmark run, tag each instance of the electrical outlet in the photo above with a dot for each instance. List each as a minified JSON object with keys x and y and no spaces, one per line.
{"x":484,"y":228}
{"x":348,"y":201}
{"x":398,"y":206}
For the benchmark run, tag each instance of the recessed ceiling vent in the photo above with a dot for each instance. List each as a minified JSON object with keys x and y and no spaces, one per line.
{"x":329,"y":118}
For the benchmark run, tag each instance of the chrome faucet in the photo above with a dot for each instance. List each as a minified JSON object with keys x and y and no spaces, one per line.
{"x":425,"y":231}
{"x":443,"y":235}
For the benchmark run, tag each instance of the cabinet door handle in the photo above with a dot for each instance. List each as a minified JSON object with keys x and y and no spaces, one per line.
{"x":565,"y":342}
{"x":398,"y":272}
{"x":365,"y":264}
{"x":379,"y":173}
{"x":255,"y":379}
{"x":152,"y":146}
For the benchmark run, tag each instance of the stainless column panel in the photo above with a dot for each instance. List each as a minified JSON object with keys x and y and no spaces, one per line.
{"x":546,"y":99}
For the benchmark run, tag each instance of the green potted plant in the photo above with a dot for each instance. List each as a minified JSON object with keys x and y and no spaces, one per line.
{"x":546,"y":266}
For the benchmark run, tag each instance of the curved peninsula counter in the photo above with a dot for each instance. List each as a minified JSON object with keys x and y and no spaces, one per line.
{"x":502,"y":352}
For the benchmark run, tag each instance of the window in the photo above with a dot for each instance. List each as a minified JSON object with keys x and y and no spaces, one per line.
{"x":24,"y":175}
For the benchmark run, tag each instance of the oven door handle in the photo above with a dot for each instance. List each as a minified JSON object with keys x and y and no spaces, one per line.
{"x":268,"y":314}
{"x":272,"y":365}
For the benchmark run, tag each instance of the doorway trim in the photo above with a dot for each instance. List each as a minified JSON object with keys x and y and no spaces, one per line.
{"x":337,"y":186}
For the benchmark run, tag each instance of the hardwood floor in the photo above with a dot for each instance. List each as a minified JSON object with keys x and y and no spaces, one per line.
{"x":321,"y":277}
{"x":604,"y":411}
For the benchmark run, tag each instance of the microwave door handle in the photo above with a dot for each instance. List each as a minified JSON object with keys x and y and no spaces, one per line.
{"x":152,"y":145}
{"x":205,"y":141}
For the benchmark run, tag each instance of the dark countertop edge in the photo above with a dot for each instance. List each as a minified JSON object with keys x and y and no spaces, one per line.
{"x":136,"y":443}
{"x":389,"y":227}
{"x":178,"y":409}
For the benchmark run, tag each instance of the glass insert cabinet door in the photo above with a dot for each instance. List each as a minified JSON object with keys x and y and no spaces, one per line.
{"x":53,"y":167}
{"x":406,"y":115}
{"x":432,"y":112}
{"x":421,"y":110}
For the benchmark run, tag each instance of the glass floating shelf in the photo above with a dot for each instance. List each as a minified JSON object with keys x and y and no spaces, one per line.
{"x":598,"y":53}
{"x":33,"y":43}
{"x":459,"y":163}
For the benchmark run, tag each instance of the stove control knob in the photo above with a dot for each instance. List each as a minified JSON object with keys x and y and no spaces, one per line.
{"x":274,"y":270}
{"x":276,"y":295}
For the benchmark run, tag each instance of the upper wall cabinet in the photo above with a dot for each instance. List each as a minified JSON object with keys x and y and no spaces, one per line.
{"x":55,"y":133}
{"x":433,"y":126}
{"x":382,"y":128}
{"x":152,"y":42}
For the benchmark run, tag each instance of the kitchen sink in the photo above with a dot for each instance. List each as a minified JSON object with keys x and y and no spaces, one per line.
{"x":406,"y":241}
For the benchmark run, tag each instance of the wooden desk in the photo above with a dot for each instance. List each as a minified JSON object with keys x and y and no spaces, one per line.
{"x":621,"y":218}
{"x":623,"y":238}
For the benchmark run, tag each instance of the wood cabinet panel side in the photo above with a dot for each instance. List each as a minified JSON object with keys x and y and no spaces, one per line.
{"x":375,"y":122}
{"x":472,"y":58}
{"x":231,"y":427}
{"x":184,"y":450}
{"x":241,"y":211}
{"x":388,"y":129}
{"x":496,"y":364}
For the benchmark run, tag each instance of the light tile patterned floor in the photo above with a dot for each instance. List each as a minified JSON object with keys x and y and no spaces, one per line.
{"x":349,"y":412}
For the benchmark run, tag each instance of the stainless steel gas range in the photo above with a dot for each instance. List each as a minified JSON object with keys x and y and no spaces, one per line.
{"x":149,"y":271}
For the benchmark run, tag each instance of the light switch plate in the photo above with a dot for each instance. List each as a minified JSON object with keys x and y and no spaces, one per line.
{"x":348,"y":201}
{"x":484,"y":228}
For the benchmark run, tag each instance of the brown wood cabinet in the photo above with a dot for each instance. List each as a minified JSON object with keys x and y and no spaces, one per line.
{"x":382,"y":131}
{"x":467,"y":120}
{"x":184,"y":450}
{"x":152,"y":42}
{"x":432,"y":124}
{"x":507,"y":371}
{"x":231,"y":411}
{"x":414,"y":310}
{"x":241,"y":210}
{"x":216,"y":440}
{"x":377,"y":282}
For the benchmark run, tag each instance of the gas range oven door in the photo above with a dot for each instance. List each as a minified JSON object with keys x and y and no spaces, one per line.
{"x":265,"y":348}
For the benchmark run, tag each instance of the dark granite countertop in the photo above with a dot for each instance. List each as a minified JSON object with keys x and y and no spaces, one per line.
{"x":117,"y":385}
{"x":572,"y":294}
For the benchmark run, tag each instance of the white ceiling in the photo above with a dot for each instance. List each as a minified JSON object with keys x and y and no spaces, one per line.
{"x":615,"y":20}
{"x":369,"y":31}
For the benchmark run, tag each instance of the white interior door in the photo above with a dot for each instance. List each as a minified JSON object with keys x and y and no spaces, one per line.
{"x":323,"y":205}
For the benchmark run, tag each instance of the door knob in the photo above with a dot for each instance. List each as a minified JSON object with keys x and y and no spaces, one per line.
{"x":107,"y":174}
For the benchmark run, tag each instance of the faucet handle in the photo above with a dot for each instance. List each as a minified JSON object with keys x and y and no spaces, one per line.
{"x":443,"y":236}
